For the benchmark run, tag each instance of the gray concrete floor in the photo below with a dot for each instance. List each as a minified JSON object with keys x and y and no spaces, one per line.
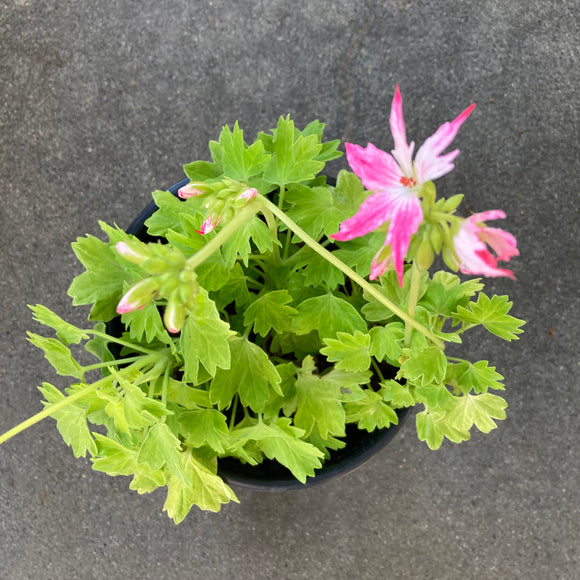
{"x":102,"y":102}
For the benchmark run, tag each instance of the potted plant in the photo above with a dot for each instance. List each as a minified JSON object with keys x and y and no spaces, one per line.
{"x":265,"y":311}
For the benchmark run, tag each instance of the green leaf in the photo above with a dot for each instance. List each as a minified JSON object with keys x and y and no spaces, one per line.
{"x":350,"y":351}
{"x":313,"y":210}
{"x":349,"y":193}
{"x":103,"y":281}
{"x":282,"y":442}
{"x":204,"y":489}
{"x":239,"y":243}
{"x":239,"y":161}
{"x":479,"y":410}
{"x":71,"y":421}
{"x":252,"y":375}
{"x":386,"y":341}
{"x":270,"y":310}
{"x":318,"y":270}
{"x":58,"y":355}
{"x":359,"y":253}
{"x":478,"y":377}
{"x":146,"y":325}
{"x":204,"y":339}
{"x":114,"y":458}
{"x":432,"y":427}
{"x":328,"y":314}
{"x":170,"y":211}
{"x":65,"y":331}
{"x":235,"y":288}
{"x":371,"y":412}
{"x":161,"y":447}
{"x":396,"y":394}
{"x":202,"y":170}
{"x":425,"y":366}
{"x":319,"y":402}
{"x":204,"y":427}
{"x":493,"y":314}
{"x":293,"y":161}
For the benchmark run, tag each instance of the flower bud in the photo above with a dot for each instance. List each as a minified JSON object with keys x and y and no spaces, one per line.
{"x":138,"y":296}
{"x":425,"y":255}
{"x":192,"y":189}
{"x":134,"y":252}
{"x":450,"y":258}
{"x":155,"y":266}
{"x":174,"y":316}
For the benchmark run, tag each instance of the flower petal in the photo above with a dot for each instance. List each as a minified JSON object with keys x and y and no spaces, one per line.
{"x":380,"y":264}
{"x":376,"y":168}
{"x":374,"y":211}
{"x":407,"y":216}
{"x":429,"y":164}
{"x":402,"y":152}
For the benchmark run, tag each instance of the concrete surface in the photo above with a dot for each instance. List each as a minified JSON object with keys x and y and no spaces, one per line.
{"x":102,"y":102}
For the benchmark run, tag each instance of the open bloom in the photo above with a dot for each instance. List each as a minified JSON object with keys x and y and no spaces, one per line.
{"x":208,"y":225}
{"x":396,"y":181}
{"x":471,"y":249}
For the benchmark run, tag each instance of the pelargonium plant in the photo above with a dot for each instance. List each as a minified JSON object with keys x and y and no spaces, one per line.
{"x":268,"y":307}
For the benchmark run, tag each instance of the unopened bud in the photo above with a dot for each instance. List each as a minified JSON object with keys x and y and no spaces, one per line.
{"x":425,"y":255}
{"x":174,"y":316}
{"x":138,"y":296}
{"x":248,"y":194}
{"x":192,"y":189}
{"x":155,"y":266}
{"x":450,"y":258}
{"x":134,"y":252}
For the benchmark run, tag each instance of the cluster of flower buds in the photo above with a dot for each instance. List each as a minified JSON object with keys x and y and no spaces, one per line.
{"x":223,"y":199}
{"x":170,"y":279}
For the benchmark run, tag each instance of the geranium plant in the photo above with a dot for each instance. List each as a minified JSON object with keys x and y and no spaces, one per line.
{"x":268,"y":308}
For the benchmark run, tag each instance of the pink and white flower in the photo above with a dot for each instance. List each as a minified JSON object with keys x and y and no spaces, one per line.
{"x":208,"y":225}
{"x":396,"y":181}
{"x":471,"y":245}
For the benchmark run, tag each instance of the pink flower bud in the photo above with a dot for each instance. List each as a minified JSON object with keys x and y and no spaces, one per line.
{"x":138,"y":296}
{"x":130,"y":253}
{"x":188,"y":190}
{"x":208,"y":225}
{"x":249,"y":193}
{"x":174,"y":316}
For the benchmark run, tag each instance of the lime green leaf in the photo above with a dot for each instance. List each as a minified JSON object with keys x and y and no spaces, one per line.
{"x":493,"y":314}
{"x":239,"y":161}
{"x":146,"y":324}
{"x":186,"y":396}
{"x":65,"y":331}
{"x":202,"y":170}
{"x":103,"y":281}
{"x":204,"y":427}
{"x":350,"y":351}
{"x":270,"y":310}
{"x":328,"y":314}
{"x":396,"y":394}
{"x":313,"y":210}
{"x":318,"y":270}
{"x":319,"y":402}
{"x":170,"y":211}
{"x":239,"y":243}
{"x":204,"y":339}
{"x":71,"y":421}
{"x":432,"y":427}
{"x":349,"y":193}
{"x":282,"y":442}
{"x":435,"y":397}
{"x":58,"y":355}
{"x":371,"y":412}
{"x":329,"y":148}
{"x":161,"y":447}
{"x":351,"y":380}
{"x":479,"y":410}
{"x":204,"y":489}
{"x":478,"y":377}
{"x":293,"y":160}
{"x":114,"y":458}
{"x":252,"y":375}
{"x":425,"y":366}
{"x":386,"y":341}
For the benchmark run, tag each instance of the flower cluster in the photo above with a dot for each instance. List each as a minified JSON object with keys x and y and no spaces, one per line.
{"x":399,"y":184}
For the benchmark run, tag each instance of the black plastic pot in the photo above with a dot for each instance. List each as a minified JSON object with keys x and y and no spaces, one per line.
{"x":270,"y":475}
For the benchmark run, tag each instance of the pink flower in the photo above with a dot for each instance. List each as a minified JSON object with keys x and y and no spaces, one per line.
{"x":138,"y":296}
{"x":471,"y":249}
{"x":208,"y":225}
{"x":188,"y":190}
{"x":396,"y":181}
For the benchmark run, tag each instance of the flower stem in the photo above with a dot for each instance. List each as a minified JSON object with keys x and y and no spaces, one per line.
{"x":47,"y":411}
{"x":120,"y":341}
{"x":368,"y":288}
{"x":413,"y":297}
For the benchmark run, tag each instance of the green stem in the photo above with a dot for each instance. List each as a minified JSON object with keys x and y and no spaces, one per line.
{"x":282,"y":194}
{"x":120,"y":341}
{"x":368,"y":288}
{"x":377,"y":369}
{"x":111,"y":363}
{"x":271,"y":222}
{"x":165,"y":385}
{"x":223,"y":235}
{"x":47,"y":411}
{"x":413,"y":297}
